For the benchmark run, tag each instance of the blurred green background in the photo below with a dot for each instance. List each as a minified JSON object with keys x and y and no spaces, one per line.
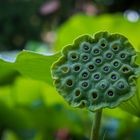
{"x":31,"y":30}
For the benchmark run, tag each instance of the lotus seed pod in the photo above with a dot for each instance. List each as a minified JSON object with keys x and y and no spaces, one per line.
{"x":96,"y":72}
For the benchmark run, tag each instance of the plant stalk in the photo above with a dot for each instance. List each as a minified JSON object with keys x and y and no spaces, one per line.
{"x":95,"y":131}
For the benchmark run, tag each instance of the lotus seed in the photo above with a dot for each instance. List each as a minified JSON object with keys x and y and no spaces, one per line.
{"x":110,"y":93}
{"x":98,"y":60}
{"x":77,"y":92}
{"x":113,"y":76}
{"x":96,"y":51}
{"x":94,"y":95}
{"x":91,"y":67}
{"x":116,"y":63}
{"x":121,"y":85}
{"x":69,"y":82}
{"x":108,"y":55}
{"x":106,"y":68}
{"x":96,"y":77}
{"x":77,"y":68}
{"x":122,"y":55}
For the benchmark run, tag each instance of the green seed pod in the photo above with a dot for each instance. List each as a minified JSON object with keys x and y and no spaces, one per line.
{"x":96,"y":72}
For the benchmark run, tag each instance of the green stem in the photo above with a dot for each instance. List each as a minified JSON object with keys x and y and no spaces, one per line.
{"x":96,"y":126}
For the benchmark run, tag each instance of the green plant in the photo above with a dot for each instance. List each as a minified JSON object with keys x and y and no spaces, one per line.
{"x":96,"y":73}
{"x":18,"y":99}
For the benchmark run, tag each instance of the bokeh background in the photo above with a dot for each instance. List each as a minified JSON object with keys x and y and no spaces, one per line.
{"x":31,"y":109}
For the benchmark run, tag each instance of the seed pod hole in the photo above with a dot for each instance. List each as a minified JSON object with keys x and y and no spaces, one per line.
{"x":84,"y":84}
{"x":121,"y":85}
{"x":85,"y":74}
{"x":109,"y":55}
{"x":95,"y":51}
{"x":98,"y":61}
{"x":65,"y":69}
{"x":77,"y":68}
{"x":122,"y":55}
{"x":114,"y":77}
{"x":73,"y":56}
{"x":94,"y":95}
{"x":103,"y":43}
{"x":96,"y":76}
{"x":115,"y":47}
{"x":110,"y":93}
{"x":77,"y":93}
{"x":125,"y":69}
{"x":85,"y":57}
{"x":106,"y":68}
{"x":115,"y":63}
{"x":102,"y":85}
{"x":91,"y":67}
{"x":85,"y":47}
{"x":69,"y":82}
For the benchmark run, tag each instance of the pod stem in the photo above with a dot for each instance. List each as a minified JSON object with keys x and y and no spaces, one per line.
{"x":95,"y":131}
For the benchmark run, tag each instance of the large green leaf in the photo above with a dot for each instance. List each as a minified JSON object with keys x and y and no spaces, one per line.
{"x":82,"y":24}
{"x":30,"y":105}
{"x":31,"y":64}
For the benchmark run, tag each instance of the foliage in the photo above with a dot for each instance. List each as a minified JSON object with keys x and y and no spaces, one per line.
{"x":30,"y":64}
{"x":19,"y":22}
{"x":33,"y":109}
{"x":27,"y":105}
{"x":82,"y":24}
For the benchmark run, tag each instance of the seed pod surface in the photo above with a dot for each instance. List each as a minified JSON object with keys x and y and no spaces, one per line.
{"x":96,"y":72}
